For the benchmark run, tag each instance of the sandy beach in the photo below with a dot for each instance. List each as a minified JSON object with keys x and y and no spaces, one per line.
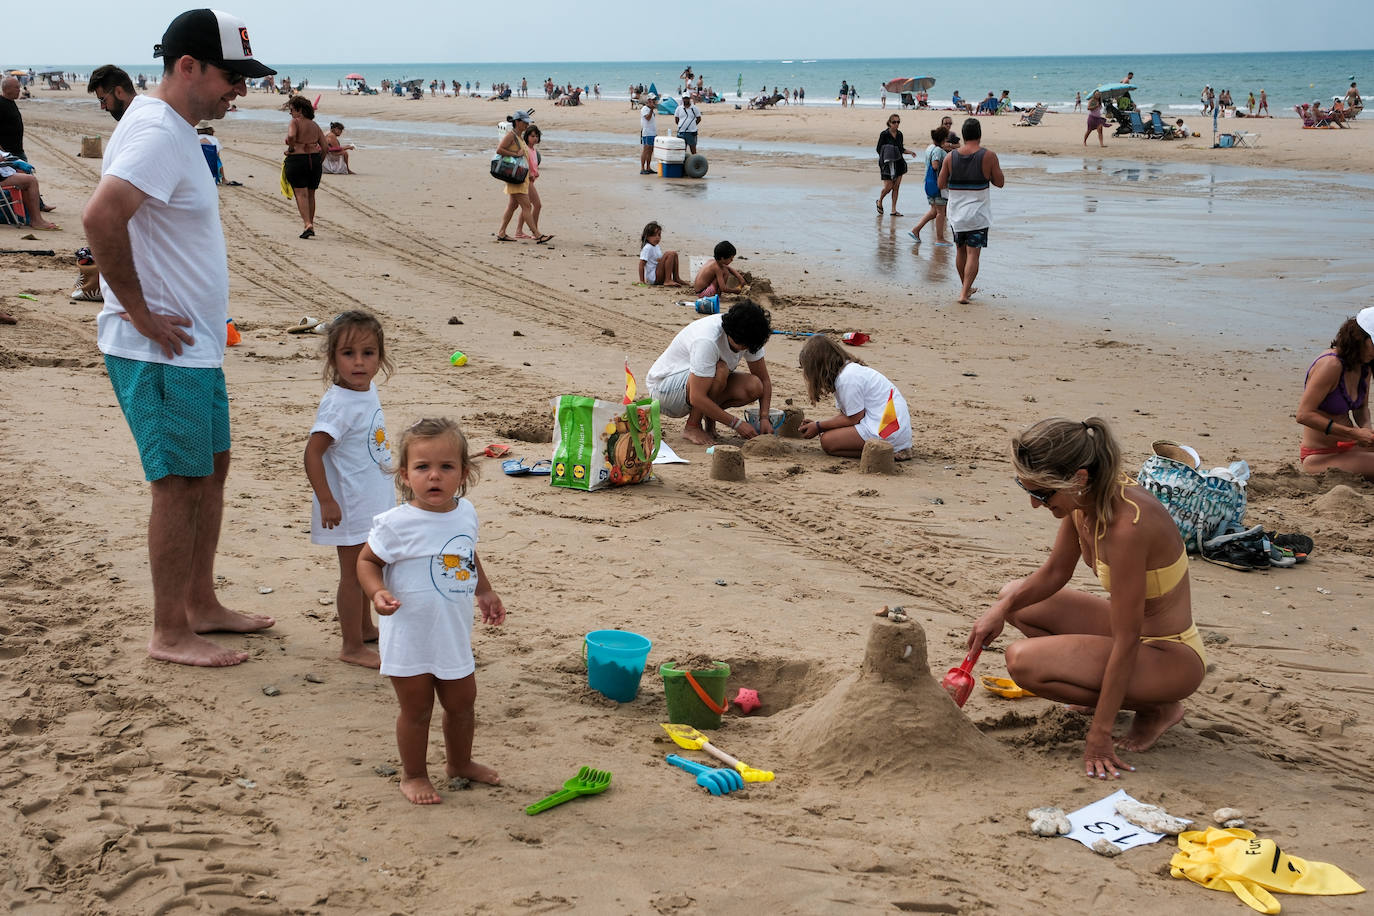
{"x":131,"y":786}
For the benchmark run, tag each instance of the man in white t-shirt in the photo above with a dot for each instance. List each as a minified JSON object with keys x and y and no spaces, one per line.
{"x":695,"y":377}
{"x":688,"y":118}
{"x":153,"y":225}
{"x":648,"y":129}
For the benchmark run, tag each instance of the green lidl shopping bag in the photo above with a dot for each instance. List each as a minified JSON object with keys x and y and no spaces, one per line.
{"x":603,"y":444}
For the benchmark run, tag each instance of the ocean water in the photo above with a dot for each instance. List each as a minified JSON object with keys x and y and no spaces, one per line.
{"x":1169,"y":82}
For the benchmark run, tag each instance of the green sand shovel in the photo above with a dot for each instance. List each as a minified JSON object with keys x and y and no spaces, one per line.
{"x":586,"y":782}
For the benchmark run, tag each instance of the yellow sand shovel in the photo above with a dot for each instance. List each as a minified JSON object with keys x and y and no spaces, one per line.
{"x":1005,"y":687}
{"x":693,"y":740}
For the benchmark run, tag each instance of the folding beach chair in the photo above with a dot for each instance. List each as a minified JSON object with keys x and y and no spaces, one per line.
{"x":1246,"y":139}
{"x":1031,"y":118}
{"x":1138,"y":128}
{"x":12,"y":208}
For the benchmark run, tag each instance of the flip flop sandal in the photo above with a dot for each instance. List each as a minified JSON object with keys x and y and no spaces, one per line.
{"x":496,"y":450}
{"x":542,"y":467}
{"x":1004,"y":687}
{"x":542,"y":239}
{"x":515,"y":467}
{"x":1235,"y":555}
{"x":1300,"y":544}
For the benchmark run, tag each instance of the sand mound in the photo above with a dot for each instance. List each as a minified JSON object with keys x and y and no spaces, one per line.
{"x":767,"y":447}
{"x":891,"y":717}
{"x":1343,"y":504}
{"x":531,"y":426}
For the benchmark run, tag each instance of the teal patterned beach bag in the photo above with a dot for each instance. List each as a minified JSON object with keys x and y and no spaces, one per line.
{"x":1202,"y":505}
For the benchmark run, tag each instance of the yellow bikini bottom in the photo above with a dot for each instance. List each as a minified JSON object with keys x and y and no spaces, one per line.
{"x":1189,"y":637}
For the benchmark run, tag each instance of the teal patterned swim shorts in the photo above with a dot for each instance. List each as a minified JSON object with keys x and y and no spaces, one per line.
{"x":179,"y":416}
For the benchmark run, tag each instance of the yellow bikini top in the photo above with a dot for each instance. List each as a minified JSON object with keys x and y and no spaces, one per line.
{"x":1158,"y":582}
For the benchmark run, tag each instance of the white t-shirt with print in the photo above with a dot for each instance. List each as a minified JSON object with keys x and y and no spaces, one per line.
{"x":355,"y":464}
{"x":176,"y":237}
{"x":650,"y":255}
{"x":698,"y":347}
{"x":647,"y":125}
{"x":688,"y":116}
{"x":862,"y":388}
{"x":431,"y":568}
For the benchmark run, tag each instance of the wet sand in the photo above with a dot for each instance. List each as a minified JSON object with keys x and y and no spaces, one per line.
{"x":132,"y":786}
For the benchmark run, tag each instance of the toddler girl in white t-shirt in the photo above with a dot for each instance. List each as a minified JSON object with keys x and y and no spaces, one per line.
{"x":421,"y":568}
{"x":870,"y":406}
{"x":656,"y":266}
{"x":348,"y":462}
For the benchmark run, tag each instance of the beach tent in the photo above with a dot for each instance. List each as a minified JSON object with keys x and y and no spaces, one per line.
{"x":667,"y":106}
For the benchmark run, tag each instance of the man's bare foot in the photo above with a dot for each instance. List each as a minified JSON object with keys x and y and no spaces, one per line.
{"x":964,"y":300}
{"x":418,"y":790}
{"x":698,"y":435}
{"x":475,"y":771}
{"x":191,"y":649}
{"x":219,"y":619}
{"x":1149,"y":724}
{"x":7,"y":318}
{"x":672,"y":282}
{"x":368,"y":658}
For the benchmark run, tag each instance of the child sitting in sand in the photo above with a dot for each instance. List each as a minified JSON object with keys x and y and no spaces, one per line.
{"x":862,"y":395}
{"x":421,"y":568}
{"x":348,"y":462}
{"x":656,"y":266}
{"x":717,"y":276}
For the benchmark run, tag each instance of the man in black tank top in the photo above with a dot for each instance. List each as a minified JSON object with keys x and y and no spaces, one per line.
{"x":966,"y":176}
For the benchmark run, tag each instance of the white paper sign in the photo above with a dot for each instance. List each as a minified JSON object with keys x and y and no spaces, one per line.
{"x":1100,"y":821}
{"x":667,"y":456}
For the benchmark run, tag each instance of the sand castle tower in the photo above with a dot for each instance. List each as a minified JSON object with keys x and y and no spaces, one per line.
{"x":890,"y":717}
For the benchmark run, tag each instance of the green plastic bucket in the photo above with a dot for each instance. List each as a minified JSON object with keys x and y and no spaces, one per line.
{"x":685,"y":707}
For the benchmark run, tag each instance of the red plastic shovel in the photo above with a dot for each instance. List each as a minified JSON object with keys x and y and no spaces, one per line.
{"x":958,"y":683}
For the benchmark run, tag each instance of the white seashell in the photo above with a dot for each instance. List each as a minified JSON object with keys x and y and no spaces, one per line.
{"x":264,"y":590}
{"x":1049,"y":821}
{"x":1151,"y":817}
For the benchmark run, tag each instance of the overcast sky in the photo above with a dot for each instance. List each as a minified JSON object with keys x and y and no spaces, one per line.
{"x":353,"y":31}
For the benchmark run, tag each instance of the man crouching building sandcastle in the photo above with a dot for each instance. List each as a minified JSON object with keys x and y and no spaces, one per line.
{"x":695,"y":377}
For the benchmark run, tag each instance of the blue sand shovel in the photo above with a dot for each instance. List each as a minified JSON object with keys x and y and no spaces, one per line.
{"x":713,"y":780}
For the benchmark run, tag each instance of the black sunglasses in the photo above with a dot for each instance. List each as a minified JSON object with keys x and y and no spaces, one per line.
{"x":1042,"y":496}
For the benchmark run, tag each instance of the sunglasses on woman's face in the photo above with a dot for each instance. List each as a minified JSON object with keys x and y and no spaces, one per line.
{"x":1041,"y":496}
{"x":894,"y":122}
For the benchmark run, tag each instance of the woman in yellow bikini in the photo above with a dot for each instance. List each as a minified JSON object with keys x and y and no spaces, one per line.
{"x":1136,"y":649}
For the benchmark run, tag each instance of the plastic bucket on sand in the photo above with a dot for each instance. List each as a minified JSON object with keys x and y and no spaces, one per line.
{"x":685,"y":706}
{"x":615,"y":662}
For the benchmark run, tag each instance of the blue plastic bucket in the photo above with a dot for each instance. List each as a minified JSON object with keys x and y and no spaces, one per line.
{"x":615,"y":662}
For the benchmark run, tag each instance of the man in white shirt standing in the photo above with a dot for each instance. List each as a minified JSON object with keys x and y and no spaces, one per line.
{"x":688,"y":118}
{"x":648,"y":129}
{"x":153,"y":225}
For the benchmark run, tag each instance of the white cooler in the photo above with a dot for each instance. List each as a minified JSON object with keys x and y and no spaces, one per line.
{"x":670,"y":149}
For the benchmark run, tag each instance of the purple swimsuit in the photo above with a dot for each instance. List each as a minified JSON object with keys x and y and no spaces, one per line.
{"x":1338,"y":401}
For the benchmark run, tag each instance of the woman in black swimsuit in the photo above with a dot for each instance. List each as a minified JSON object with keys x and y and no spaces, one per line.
{"x":305,"y":145}
{"x":891,"y":165}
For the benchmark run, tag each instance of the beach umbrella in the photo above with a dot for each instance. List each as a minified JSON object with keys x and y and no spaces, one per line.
{"x":739,"y":86}
{"x":354,"y":76}
{"x":900,"y":84}
{"x":1115,"y":90}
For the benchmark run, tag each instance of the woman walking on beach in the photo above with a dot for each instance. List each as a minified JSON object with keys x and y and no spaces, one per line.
{"x":1336,"y":392}
{"x":891,"y":148}
{"x":532,"y":138}
{"x":1136,"y":649}
{"x":305,"y":145}
{"x":1096,"y":121}
{"x":518,"y":195}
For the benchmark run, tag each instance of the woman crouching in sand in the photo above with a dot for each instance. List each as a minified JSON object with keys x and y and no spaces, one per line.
{"x":1137,"y":649}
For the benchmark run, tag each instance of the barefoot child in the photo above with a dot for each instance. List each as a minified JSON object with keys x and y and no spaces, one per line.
{"x":862,"y":396}
{"x":421,"y":568}
{"x":656,"y":266}
{"x":717,"y":276}
{"x":348,"y":462}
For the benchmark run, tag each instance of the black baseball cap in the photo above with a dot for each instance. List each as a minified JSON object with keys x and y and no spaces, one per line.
{"x":215,"y":37}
